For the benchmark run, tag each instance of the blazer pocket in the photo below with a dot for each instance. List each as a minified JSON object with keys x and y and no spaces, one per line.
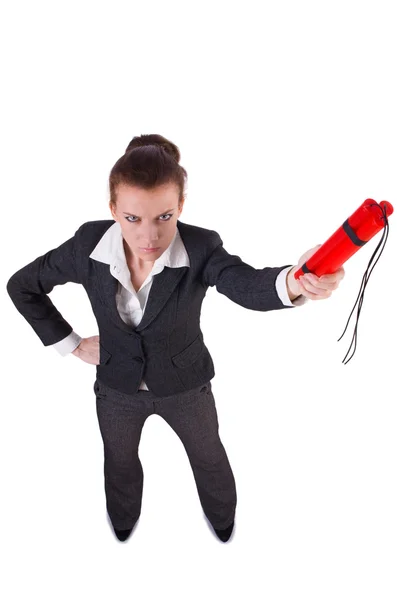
{"x":104,"y":355}
{"x":190,"y":354}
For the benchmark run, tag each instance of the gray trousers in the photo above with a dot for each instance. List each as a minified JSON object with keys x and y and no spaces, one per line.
{"x":193,"y":417}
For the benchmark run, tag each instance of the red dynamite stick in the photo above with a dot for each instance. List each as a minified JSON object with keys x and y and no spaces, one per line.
{"x":355,"y":232}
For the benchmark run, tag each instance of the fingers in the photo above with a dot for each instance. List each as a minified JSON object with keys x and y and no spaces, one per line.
{"x":317,"y":288}
{"x":314,"y":284}
{"x":312,"y":288}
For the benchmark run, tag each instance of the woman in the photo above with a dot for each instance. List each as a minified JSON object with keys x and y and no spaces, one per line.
{"x":146,"y":274}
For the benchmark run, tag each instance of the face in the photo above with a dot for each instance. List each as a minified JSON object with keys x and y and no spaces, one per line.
{"x":147,"y":220}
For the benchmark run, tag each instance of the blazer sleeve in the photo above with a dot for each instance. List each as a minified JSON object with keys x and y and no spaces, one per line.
{"x":243,"y":284}
{"x":29,"y":287}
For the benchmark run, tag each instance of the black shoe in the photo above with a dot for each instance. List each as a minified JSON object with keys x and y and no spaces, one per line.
{"x":122,"y":534}
{"x":224,"y":534}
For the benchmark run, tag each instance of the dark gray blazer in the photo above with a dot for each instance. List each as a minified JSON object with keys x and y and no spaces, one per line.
{"x":167,"y":348}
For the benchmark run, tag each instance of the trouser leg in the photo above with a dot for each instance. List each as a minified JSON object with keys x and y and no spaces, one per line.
{"x":194,"y":419}
{"x":121,"y":420}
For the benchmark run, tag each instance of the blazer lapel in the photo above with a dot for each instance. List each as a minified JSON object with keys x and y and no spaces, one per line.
{"x":163,"y":284}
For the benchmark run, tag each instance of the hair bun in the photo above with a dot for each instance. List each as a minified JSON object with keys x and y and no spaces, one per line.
{"x":154,"y":139}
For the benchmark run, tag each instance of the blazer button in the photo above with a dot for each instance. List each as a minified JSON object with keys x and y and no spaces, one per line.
{"x":139,"y":359}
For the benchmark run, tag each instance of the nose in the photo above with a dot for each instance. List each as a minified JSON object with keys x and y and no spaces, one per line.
{"x":148,"y":238}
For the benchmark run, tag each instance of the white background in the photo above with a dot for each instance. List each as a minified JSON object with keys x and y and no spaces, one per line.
{"x":285,"y":116}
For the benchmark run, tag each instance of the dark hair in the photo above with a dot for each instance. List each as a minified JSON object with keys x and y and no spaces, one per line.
{"x":149,"y":161}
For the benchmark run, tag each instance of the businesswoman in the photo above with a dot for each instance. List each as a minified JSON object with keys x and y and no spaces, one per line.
{"x":146,"y":274}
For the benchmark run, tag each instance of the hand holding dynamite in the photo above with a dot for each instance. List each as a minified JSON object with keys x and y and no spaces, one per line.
{"x":320,"y":269}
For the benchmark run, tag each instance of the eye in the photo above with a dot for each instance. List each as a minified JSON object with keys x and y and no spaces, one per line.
{"x":167,"y":215}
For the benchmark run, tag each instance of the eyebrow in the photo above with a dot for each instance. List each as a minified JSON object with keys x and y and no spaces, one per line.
{"x":160,"y":215}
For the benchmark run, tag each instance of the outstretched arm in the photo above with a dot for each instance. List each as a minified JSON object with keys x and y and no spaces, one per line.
{"x":245,"y":285}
